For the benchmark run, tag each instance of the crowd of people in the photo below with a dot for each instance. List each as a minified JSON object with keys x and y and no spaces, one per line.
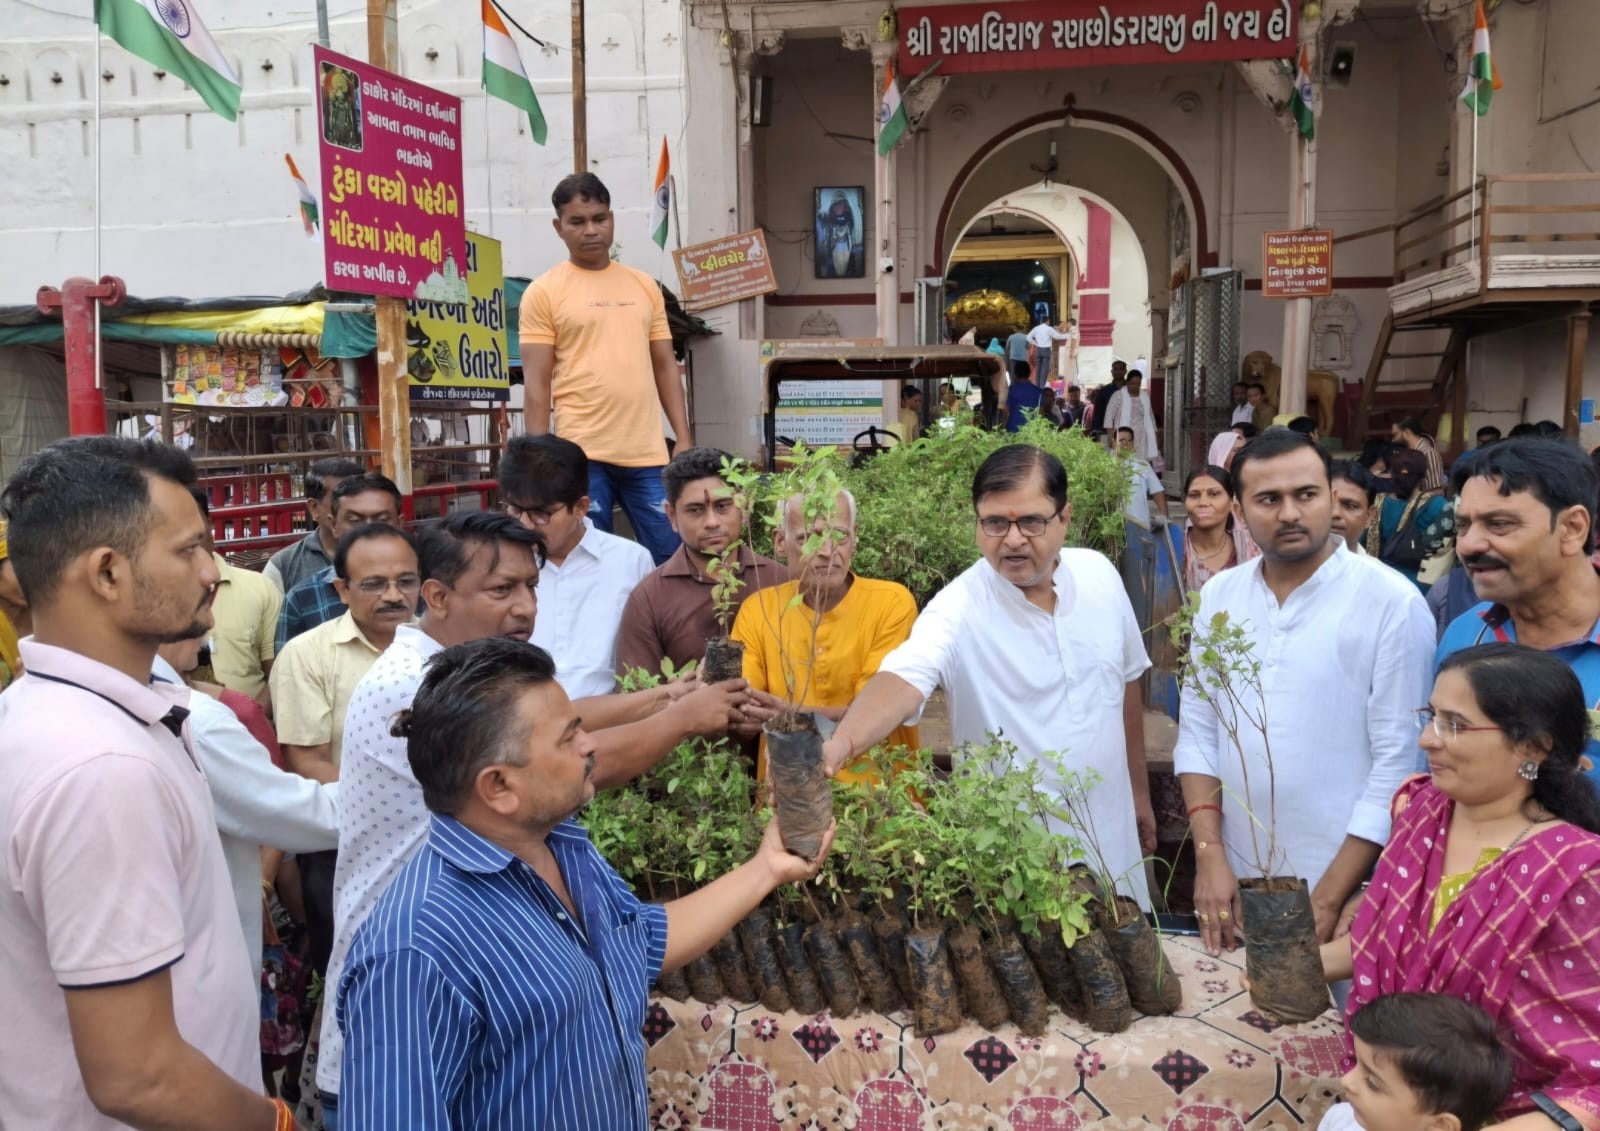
{"x":365,"y":769}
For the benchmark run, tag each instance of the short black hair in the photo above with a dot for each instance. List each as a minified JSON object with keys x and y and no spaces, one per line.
{"x":166,"y":460}
{"x":1549,"y":429}
{"x":544,"y":470}
{"x":579,"y":186}
{"x":1410,"y":424}
{"x":1073,"y":389}
{"x":1246,"y":429}
{"x":909,"y":390}
{"x":690,"y":464}
{"x":202,"y":499}
{"x":445,"y":546}
{"x":1257,"y":385}
{"x":1352,"y":472}
{"x":1139,"y":373}
{"x":361,"y":484}
{"x":321,"y":471}
{"x":80,"y":493}
{"x":1015,"y":465}
{"x":1488,"y":434}
{"x":366,"y":532}
{"x":1303,"y":425}
{"x":1121,"y":428}
{"x":1555,"y":472}
{"x":1372,"y":450}
{"x":1272,"y":443}
{"x":1520,"y":430}
{"x":1444,"y":1048}
{"x":462,"y":719}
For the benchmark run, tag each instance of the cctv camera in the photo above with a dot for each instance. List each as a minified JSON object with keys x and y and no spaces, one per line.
{"x":886,"y":265}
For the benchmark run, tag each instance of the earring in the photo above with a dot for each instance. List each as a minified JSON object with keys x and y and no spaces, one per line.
{"x":1528,"y":771}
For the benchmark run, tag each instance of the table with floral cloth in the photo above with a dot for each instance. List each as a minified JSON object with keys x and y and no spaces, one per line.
{"x":1216,"y":1066}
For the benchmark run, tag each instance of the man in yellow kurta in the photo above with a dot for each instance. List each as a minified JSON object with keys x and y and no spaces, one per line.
{"x":858,"y":621}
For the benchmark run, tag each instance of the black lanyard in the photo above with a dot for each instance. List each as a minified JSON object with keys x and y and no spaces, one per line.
{"x":172,"y":720}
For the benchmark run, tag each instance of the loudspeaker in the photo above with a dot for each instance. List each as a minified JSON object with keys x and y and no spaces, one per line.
{"x":1341,"y":64}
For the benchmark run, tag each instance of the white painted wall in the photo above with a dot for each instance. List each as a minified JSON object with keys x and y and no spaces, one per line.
{"x":197,"y":206}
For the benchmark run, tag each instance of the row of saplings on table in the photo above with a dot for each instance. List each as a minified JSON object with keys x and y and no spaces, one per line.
{"x":945,"y":894}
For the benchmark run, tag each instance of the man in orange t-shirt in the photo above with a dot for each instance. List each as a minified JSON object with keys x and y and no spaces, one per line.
{"x":596,"y":348}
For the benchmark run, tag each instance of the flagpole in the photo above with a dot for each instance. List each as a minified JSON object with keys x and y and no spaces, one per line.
{"x":1472,"y":185}
{"x":99,"y":364}
{"x":488,"y":164}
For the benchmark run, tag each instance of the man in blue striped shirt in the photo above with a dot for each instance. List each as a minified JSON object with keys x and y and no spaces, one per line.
{"x":501,"y":981}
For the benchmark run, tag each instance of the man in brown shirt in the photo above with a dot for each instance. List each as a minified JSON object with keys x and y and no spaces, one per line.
{"x":669,"y":614}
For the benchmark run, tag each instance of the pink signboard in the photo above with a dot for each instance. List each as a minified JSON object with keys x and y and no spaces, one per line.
{"x":392,"y":211}
{"x":1019,"y":35}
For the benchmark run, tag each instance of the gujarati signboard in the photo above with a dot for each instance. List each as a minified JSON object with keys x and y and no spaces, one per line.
{"x":820,"y":413}
{"x":1297,"y":264}
{"x":393,"y":221}
{"x":1044,"y":34}
{"x":456,"y":351}
{"x":723,"y":271}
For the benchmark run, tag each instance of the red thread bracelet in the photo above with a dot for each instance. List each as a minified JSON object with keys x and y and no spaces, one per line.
{"x":1208,"y":805}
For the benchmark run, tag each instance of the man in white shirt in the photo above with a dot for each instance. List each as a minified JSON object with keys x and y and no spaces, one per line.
{"x":480,"y":571}
{"x":1044,"y":337}
{"x":1147,"y":496}
{"x":257,"y":804}
{"x":587,"y":574}
{"x":1035,"y":640}
{"x":1243,"y":411}
{"x":1345,"y":648}
{"x":1129,"y":407}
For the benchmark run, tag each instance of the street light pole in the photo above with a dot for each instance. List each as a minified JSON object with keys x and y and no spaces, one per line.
{"x":580,"y":118}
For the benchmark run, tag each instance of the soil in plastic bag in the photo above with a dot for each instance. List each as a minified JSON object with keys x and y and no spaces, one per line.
{"x":890,"y":929}
{"x":936,"y":1004}
{"x":802,"y":797}
{"x":833,"y":971}
{"x":871,"y":972}
{"x":705,"y":984}
{"x":724,"y":659}
{"x":980,"y":996}
{"x":1153,"y":984}
{"x":1054,"y":964}
{"x":1019,"y":983}
{"x":804,"y":993}
{"x":761,"y":956}
{"x":1104,"y":991}
{"x":736,"y":978}
{"x":672,"y":983}
{"x":1281,"y":955}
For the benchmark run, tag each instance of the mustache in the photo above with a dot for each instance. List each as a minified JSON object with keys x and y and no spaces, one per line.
{"x":394,"y":607}
{"x":1291,"y":528}
{"x":1484,"y":560}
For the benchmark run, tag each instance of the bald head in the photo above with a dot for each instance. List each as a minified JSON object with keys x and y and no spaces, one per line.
{"x":819,"y":558}
{"x":844,"y":514}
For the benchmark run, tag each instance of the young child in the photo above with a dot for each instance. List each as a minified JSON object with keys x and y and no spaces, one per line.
{"x":1424,"y":1062}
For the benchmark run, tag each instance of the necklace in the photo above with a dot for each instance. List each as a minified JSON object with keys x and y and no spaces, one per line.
{"x":1528,"y":828}
{"x":1224,"y":545}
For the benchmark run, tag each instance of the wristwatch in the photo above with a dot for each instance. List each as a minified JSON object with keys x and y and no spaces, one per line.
{"x":1563,"y":1118}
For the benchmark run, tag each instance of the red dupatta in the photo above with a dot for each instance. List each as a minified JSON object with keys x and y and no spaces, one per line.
{"x":1522,"y":942}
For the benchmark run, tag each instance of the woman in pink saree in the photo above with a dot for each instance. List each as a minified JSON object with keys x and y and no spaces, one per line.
{"x":1489,"y":888}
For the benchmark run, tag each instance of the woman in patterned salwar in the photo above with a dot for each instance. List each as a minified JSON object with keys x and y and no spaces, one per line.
{"x":1489,"y":888}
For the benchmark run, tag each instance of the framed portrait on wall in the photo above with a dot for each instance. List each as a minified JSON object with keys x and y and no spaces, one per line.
{"x":840,"y":251}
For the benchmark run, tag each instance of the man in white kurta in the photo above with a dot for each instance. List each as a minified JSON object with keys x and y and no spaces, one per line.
{"x":1037,"y":642}
{"x":1345,"y":648}
{"x":1130,"y":407}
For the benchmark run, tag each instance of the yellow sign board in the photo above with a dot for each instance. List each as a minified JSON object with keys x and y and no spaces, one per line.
{"x":456,"y":351}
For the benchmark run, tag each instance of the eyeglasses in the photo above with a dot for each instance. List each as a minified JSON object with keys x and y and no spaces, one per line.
{"x":378,"y":586}
{"x":539,"y":516}
{"x":1031,"y":525}
{"x":1444,"y":728}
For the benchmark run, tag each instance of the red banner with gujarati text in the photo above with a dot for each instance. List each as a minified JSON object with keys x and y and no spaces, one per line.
{"x":1020,"y":35}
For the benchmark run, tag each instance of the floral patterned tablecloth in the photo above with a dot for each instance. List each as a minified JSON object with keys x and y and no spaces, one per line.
{"x":1216,"y":1066}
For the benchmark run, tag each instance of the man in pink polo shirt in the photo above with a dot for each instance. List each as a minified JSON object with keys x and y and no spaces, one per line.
{"x":128,"y":989}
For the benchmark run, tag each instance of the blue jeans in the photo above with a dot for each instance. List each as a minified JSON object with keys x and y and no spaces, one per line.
{"x":643,"y":499}
{"x":330,"y":1111}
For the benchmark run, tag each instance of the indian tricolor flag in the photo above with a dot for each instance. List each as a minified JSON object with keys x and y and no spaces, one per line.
{"x":169,"y":34}
{"x":503,"y":75}
{"x":661,"y":199}
{"x":308,"y":203}
{"x":892,"y":121}
{"x":1482,"y":81}
{"x":1300,"y":98}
